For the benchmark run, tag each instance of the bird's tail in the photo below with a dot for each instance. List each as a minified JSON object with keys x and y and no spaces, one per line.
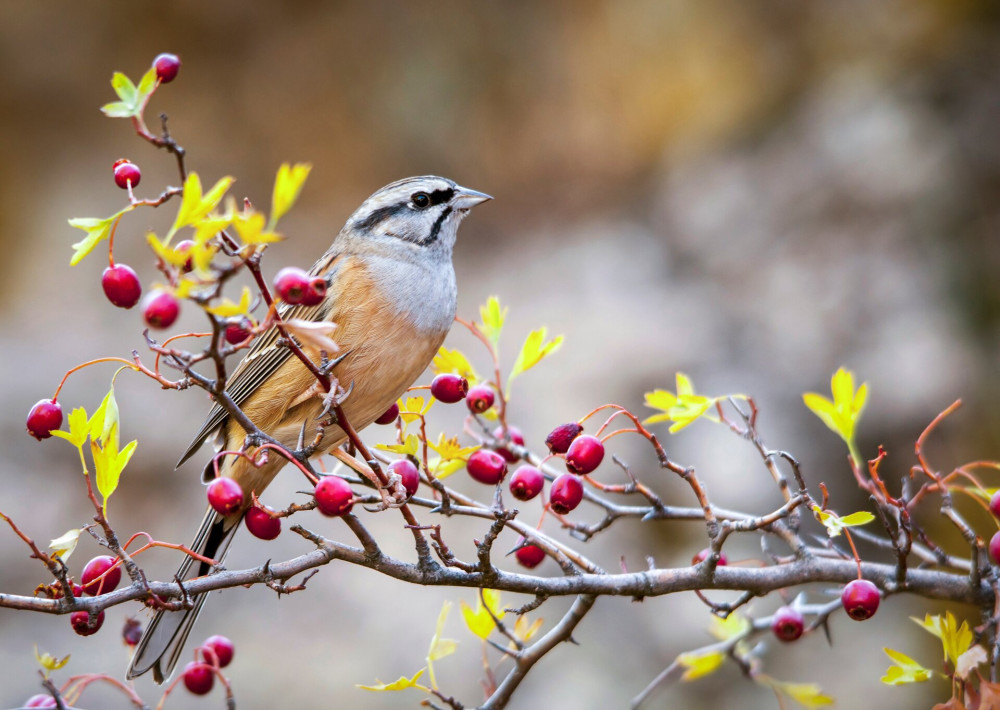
{"x":163,"y":640}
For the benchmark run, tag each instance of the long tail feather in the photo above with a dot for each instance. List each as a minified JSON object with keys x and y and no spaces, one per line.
{"x":163,"y":640}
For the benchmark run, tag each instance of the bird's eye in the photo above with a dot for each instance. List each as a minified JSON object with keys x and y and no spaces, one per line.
{"x":421,"y":200}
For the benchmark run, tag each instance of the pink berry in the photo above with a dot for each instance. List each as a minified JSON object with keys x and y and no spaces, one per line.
{"x":184,"y":247}
{"x":199,"y":678}
{"x":262,"y":525}
{"x":408,"y":472}
{"x":121,"y":285}
{"x":80,"y":621}
{"x":222,"y":647}
{"x":995,"y":548}
{"x":703,"y":555}
{"x":449,"y":388}
{"x":44,"y":418}
{"x":486,"y":466}
{"x":94,"y":569}
{"x":584,"y":454}
{"x":516,"y":437}
{"x":125,"y":172}
{"x":479,"y":399}
{"x":225,"y":496}
{"x":526,"y":483}
{"x":160,"y":309}
{"x":236,"y":333}
{"x":530,"y":556}
{"x":565,"y":494}
{"x":562,"y":436}
{"x":787,"y":624}
{"x":131,"y":632}
{"x":860,"y":599}
{"x":40,"y":701}
{"x":315,"y":292}
{"x":389,"y":415}
{"x":166,"y":65}
{"x":333,"y":496}
{"x":292,"y":284}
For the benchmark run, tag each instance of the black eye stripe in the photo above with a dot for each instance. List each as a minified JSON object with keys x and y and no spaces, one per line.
{"x":441,"y":196}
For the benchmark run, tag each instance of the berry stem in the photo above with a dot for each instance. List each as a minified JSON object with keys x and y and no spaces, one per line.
{"x":854,"y":550}
{"x":111,"y":240}
{"x":131,"y":365}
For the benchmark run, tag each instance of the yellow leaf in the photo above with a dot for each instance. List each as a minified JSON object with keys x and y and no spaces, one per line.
{"x":442,"y":469}
{"x":479,"y":621}
{"x":412,"y":408}
{"x":49,"y":662}
{"x":410,"y":446}
{"x":842,"y":413}
{"x":534,"y":349}
{"x":287,"y":186}
{"x":109,"y":464}
{"x":97,"y":230}
{"x":64,"y":545}
{"x":402,"y":683}
{"x":806,"y":694}
{"x":732,"y":625}
{"x":835,"y":524}
{"x":525,"y":630}
{"x":905,"y":670}
{"x":955,"y":639}
{"x":250,"y":227}
{"x":79,"y":429}
{"x":449,"y":449}
{"x":440,"y":647}
{"x":683,"y":408}
{"x":454,"y":361}
{"x":104,"y":421}
{"x":700,"y":664}
{"x":492,"y":317}
{"x":195,"y":206}
{"x":228,"y":309}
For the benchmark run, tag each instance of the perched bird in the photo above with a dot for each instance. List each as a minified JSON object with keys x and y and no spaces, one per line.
{"x":391,"y":292}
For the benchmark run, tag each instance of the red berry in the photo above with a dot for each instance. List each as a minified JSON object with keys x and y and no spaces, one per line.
{"x":125,"y":172}
{"x":516,"y":437}
{"x":222,"y":647}
{"x":995,"y":548}
{"x":486,"y":466}
{"x":121,"y":285}
{"x":479,"y":399}
{"x":333,"y":496}
{"x":562,"y":436}
{"x":995,"y":504}
{"x":262,"y":525}
{"x":315,"y":292}
{"x":530,"y":556}
{"x":167,"y":66}
{"x":199,"y":678}
{"x":526,"y":483}
{"x":236,"y":333}
{"x":449,"y":388}
{"x":94,"y":569}
{"x":291,"y":284}
{"x":703,"y":555}
{"x":160,"y":309}
{"x":184,"y":247}
{"x":389,"y":415}
{"x":43,"y":418}
{"x":225,"y":496}
{"x":409,"y":473}
{"x":132,"y":632}
{"x":80,"y":621}
{"x":860,"y":599}
{"x":565,"y":494}
{"x":787,"y":623}
{"x":584,"y":454}
{"x":40,"y":701}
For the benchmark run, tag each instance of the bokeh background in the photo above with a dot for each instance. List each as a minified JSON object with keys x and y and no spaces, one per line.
{"x":752,"y":193}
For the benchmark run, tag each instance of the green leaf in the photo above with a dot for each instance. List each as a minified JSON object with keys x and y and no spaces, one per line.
{"x":117,"y":109}
{"x":698,"y":664}
{"x":287,"y":186}
{"x":124,"y":87}
{"x":835,"y":524}
{"x":534,"y":349}
{"x":63,"y":546}
{"x":905,"y":670}
{"x":79,"y":429}
{"x":440,"y":647}
{"x":492,"y":317}
{"x":402,"y":683}
{"x":132,"y":99}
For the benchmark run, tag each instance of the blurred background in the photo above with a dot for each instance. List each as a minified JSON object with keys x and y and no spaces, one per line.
{"x":751,"y":193}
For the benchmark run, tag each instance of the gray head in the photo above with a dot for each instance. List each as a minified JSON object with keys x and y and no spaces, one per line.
{"x":421,"y":212}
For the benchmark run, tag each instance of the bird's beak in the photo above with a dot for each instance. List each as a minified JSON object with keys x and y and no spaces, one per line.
{"x":465,"y":198}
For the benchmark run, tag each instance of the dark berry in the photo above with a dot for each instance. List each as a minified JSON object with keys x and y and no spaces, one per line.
{"x":125,"y":172}
{"x":479,"y":399}
{"x":486,"y":466}
{"x":584,"y":454}
{"x":994,"y":547}
{"x":80,"y":621}
{"x":860,"y":599}
{"x":262,"y":525}
{"x":530,"y":556}
{"x":44,"y":418}
{"x":40,"y":701}
{"x":449,"y":388}
{"x":333,"y":496}
{"x":160,"y":309}
{"x":184,"y":247}
{"x":408,"y":472}
{"x":121,"y":285}
{"x":703,"y":555}
{"x":225,"y":496}
{"x":199,"y":678}
{"x":516,"y":437}
{"x":291,"y":284}
{"x":562,"y":436}
{"x":94,"y":569}
{"x":787,"y":623}
{"x":315,"y":292}
{"x":222,"y":647}
{"x":526,"y":483}
{"x":166,"y":65}
{"x":565,"y":494}
{"x":389,"y":415}
{"x":236,"y":333}
{"x":132,"y":632}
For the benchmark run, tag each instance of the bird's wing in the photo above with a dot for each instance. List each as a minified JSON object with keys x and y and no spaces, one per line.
{"x":264,"y":357}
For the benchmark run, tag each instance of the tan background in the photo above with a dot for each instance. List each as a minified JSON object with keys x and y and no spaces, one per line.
{"x":752,"y":193}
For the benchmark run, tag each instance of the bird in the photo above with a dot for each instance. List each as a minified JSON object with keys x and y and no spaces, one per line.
{"x":392,"y":294}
